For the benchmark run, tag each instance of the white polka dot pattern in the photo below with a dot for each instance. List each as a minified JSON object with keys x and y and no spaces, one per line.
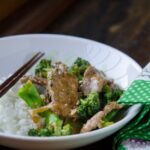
{"x":138,"y":92}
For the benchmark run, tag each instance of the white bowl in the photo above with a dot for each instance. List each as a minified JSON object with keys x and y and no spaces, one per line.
{"x":15,"y":50}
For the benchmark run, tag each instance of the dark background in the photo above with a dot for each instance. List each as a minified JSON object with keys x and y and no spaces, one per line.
{"x":123,"y":24}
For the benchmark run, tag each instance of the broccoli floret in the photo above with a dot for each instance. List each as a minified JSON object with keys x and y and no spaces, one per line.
{"x":107,"y":91}
{"x":117,"y":92}
{"x":54,"y":123}
{"x":44,"y":132}
{"x":42,"y":68}
{"x":79,"y":67}
{"x":53,"y":126}
{"x":76,"y":124}
{"x":30,"y":95}
{"x":106,"y":123}
{"x":40,"y":132}
{"x":110,"y":94}
{"x":109,"y":118}
{"x":33,"y":132}
{"x":89,"y":106}
{"x":67,"y":129}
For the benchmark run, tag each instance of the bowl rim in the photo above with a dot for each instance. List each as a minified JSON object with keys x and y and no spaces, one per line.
{"x":132,"y":112}
{"x":47,"y":35}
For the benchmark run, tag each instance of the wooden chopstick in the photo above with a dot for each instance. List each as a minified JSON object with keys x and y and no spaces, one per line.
{"x":7,"y":84}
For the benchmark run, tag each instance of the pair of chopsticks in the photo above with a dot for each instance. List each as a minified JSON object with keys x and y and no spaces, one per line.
{"x":7,"y":84}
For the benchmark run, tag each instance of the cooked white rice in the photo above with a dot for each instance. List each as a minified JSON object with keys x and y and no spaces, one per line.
{"x":14,"y":115}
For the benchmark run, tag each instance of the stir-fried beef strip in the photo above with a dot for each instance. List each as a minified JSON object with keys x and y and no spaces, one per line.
{"x":93,"y":80}
{"x":63,"y":90}
{"x":35,"y":79}
{"x":95,"y":121}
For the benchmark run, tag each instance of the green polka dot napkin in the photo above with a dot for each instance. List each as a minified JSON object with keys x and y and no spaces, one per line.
{"x":138,"y":130}
{"x":136,"y":133}
{"x":139,"y":90}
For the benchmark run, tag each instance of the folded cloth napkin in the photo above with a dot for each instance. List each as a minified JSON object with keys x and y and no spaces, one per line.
{"x":138,"y":130}
{"x":136,"y":134}
{"x":139,"y":90}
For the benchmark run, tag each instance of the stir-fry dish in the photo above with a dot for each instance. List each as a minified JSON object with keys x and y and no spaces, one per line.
{"x":68,"y":100}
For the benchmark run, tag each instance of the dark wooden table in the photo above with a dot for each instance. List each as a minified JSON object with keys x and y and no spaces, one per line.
{"x":123,"y":24}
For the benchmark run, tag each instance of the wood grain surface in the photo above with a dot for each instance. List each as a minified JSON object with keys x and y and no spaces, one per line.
{"x":9,"y":6}
{"x":123,"y":24}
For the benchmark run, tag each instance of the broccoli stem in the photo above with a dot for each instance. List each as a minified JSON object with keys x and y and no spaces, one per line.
{"x":110,"y":116}
{"x":30,"y":95}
